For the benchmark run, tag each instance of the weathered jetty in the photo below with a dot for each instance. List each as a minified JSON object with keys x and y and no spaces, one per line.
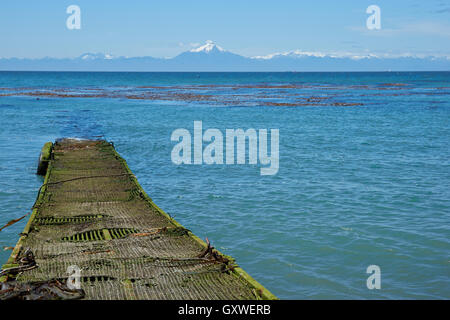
{"x":92,"y":213}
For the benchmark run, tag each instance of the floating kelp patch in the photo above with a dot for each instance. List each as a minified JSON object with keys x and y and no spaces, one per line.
{"x":263,"y":94}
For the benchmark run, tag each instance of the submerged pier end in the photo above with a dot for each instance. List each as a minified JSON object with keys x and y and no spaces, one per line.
{"x":92,"y":213}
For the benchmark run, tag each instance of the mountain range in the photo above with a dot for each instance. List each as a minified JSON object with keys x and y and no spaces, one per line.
{"x":211,"y":57}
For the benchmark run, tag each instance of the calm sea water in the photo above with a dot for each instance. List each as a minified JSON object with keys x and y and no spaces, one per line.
{"x":364,"y":172}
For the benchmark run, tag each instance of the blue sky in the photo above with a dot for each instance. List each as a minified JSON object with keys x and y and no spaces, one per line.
{"x":35,"y":29}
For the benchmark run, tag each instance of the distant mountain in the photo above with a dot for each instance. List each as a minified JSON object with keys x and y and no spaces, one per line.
{"x":313,"y":61}
{"x":211,"y":57}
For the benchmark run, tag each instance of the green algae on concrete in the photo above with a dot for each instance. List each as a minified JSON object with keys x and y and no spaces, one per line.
{"x":133,"y":249}
{"x":44,"y":158}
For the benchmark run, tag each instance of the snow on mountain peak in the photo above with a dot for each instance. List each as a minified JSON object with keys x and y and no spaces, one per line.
{"x":316,"y":54}
{"x":208,"y":47}
{"x":292,"y":54}
{"x":94,"y":56}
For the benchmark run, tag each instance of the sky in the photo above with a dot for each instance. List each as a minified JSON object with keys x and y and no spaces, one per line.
{"x":36,"y":29}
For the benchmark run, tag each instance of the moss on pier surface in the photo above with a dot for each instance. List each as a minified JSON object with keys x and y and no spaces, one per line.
{"x":44,"y":158}
{"x":91,"y":212}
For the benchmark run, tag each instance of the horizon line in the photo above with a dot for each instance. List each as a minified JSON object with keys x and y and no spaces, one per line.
{"x":124,"y":71}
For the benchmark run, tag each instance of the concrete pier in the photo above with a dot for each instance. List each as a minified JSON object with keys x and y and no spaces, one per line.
{"x":92,"y":214}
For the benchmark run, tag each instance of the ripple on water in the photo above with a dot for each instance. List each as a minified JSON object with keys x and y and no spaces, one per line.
{"x":357,"y":185}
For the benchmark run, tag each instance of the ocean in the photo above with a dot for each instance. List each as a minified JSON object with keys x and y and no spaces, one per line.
{"x":363,"y":179}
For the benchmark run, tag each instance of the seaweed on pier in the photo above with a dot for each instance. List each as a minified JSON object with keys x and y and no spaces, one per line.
{"x":91,"y":212}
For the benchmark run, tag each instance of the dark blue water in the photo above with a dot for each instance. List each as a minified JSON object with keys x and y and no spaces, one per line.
{"x":363,"y":179}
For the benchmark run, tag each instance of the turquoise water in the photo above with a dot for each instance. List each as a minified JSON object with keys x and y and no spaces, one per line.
{"x":364,"y":171}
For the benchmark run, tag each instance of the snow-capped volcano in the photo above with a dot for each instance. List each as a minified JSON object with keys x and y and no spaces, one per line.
{"x":206,"y":57}
{"x":208,"y":47}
